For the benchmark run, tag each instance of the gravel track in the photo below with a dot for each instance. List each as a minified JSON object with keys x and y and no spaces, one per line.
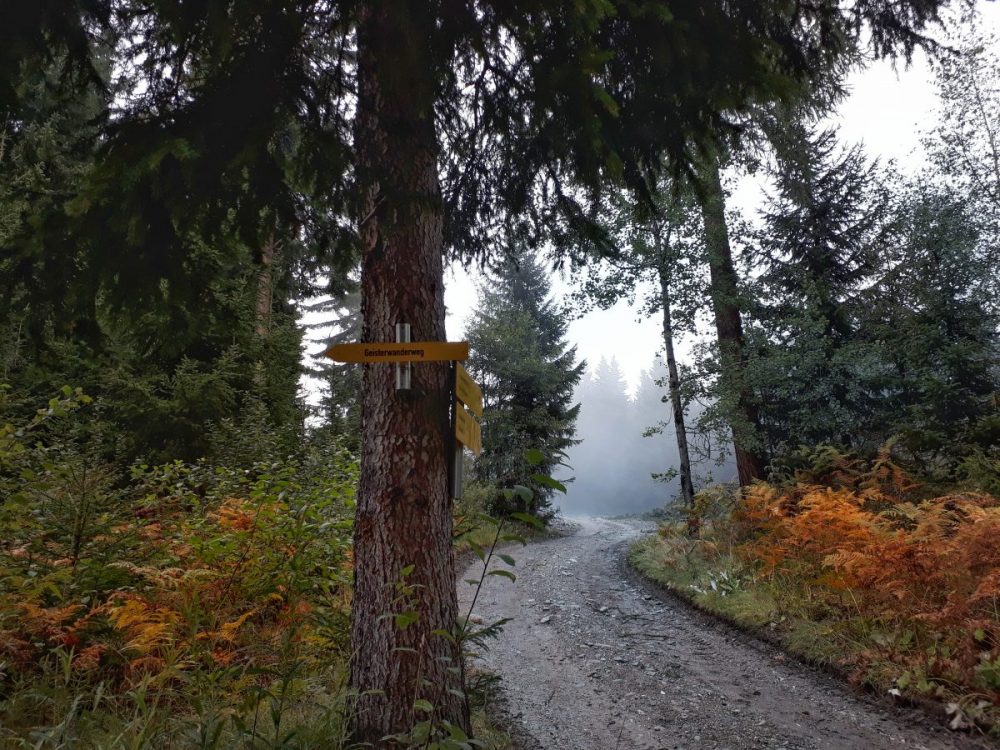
{"x":596,"y":658}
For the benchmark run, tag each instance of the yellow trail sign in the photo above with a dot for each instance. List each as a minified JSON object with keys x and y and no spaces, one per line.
{"x":467,"y":391}
{"x":416,"y":351}
{"x":467,"y":430}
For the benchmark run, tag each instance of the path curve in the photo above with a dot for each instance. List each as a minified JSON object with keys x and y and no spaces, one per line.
{"x":597,"y":659}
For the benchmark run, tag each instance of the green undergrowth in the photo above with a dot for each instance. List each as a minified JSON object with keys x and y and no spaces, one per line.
{"x":482,"y":531}
{"x":476,"y":529}
{"x":487,"y":726}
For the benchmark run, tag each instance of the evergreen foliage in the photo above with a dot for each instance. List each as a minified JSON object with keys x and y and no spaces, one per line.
{"x":823,"y":231}
{"x":233,"y":113}
{"x":875,"y":315}
{"x":165,"y":366}
{"x":527,"y":372}
{"x":933,"y":326}
{"x":340,"y":409}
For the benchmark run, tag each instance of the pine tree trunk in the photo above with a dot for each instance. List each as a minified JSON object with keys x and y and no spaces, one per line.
{"x":403,"y":516}
{"x":674,"y":383}
{"x":265,"y":283}
{"x":728,"y":320}
{"x":265,"y":301}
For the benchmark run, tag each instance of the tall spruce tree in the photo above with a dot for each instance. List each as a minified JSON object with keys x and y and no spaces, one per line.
{"x":528,"y":373}
{"x":931,"y":324}
{"x":823,"y":231}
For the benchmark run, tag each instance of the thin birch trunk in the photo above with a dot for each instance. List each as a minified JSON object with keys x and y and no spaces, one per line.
{"x":674,"y":384}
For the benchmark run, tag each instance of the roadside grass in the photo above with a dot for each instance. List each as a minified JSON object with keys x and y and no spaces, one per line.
{"x":486,"y":730}
{"x":488,"y":723}
{"x":752,"y":605}
{"x":855,"y":570}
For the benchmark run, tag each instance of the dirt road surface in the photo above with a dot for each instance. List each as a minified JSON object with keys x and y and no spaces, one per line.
{"x":596,"y":658}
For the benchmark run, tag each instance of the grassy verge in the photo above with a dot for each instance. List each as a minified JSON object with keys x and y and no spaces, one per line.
{"x":721,"y":586}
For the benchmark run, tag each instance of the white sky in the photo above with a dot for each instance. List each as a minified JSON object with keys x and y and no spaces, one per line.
{"x":888,"y":110}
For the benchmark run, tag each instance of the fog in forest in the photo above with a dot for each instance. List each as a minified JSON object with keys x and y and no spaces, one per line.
{"x":612,"y":466}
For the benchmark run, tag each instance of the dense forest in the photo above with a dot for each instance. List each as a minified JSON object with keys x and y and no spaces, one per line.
{"x":194,"y":554}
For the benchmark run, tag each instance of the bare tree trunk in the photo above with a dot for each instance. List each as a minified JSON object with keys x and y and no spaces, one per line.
{"x":265,"y":286}
{"x":403,"y":515}
{"x":265,"y":300}
{"x":728,"y":320}
{"x":674,"y":383}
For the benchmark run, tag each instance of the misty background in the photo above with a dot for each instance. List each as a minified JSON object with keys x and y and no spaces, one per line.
{"x":613,"y":465}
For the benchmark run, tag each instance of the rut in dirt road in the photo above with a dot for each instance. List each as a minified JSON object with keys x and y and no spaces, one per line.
{"x":597,"y":659}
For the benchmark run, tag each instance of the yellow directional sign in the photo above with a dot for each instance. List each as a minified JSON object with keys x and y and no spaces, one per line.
{"x":467,"y":430}
{"x":416,"y":351}
{"x":467,"y":391}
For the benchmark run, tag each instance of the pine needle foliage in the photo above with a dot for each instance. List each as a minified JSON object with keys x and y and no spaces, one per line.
{"x":528,"y":374}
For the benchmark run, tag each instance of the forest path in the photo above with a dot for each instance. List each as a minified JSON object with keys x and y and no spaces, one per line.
{"x":597,"y":659}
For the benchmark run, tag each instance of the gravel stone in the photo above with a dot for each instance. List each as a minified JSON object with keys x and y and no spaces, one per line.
{"x":654,"y":673}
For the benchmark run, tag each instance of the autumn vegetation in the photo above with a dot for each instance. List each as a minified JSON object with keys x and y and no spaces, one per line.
{"x":855,"y":565}
{"x":187,"y":604}
{"x":184,"y":605}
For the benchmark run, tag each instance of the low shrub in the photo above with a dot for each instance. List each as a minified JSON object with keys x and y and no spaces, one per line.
{"x":184,"y":605}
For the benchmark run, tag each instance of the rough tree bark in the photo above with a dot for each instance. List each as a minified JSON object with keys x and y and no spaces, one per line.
{"x":403,"y":515}
{"x":728,"y":320}
{"x":674,"y":386}
{"x":265,"y":286}
{"x":265,"y":301}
